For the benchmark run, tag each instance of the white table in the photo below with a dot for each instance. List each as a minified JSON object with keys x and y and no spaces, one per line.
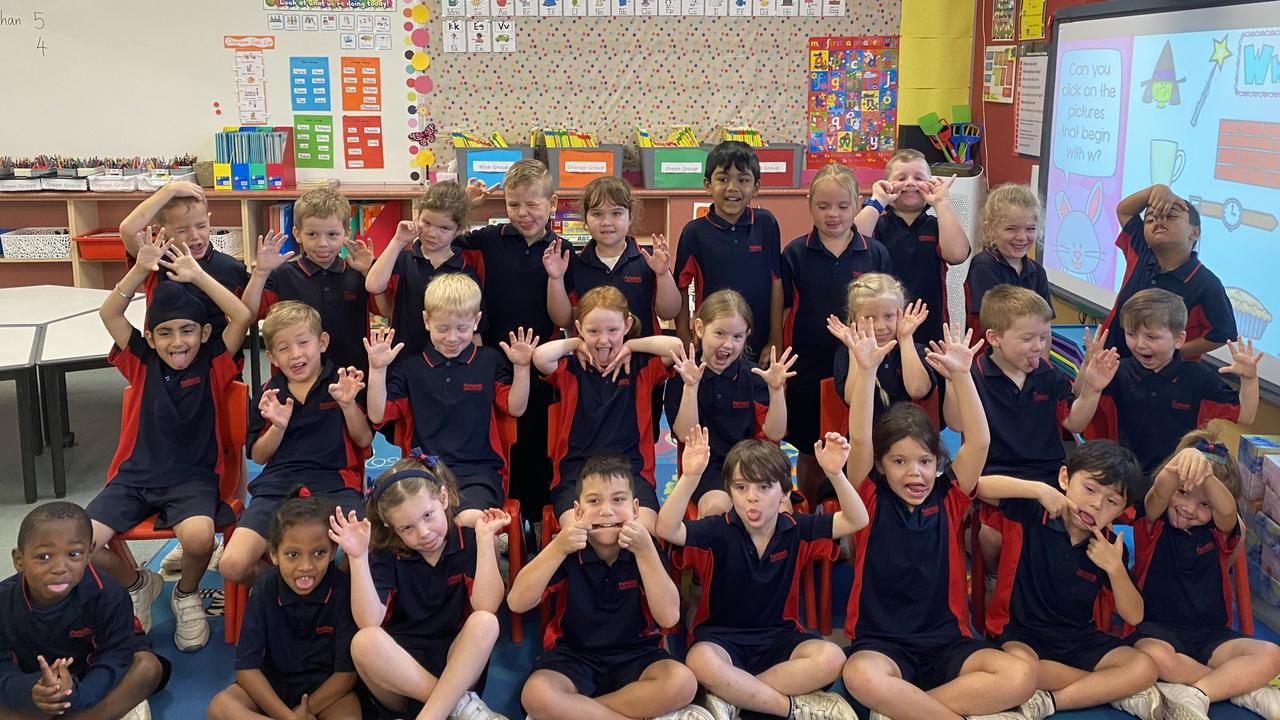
{"x":17,"y":362}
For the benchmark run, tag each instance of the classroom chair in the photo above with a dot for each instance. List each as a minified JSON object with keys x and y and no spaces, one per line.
{"x":231,"y":429}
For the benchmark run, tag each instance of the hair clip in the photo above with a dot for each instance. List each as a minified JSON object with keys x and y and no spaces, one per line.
{"x":428,"y":460}
{"x":304,"y":492}
{"x":1215,"y":452}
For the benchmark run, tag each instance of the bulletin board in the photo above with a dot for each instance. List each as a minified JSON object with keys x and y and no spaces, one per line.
{"x":160,"y":78}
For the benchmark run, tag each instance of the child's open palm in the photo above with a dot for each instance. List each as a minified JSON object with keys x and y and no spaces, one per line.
{"x":953,"y":355}
{"x":182,"y":266}
{"x":151,"y":249}
{"x":1098,"y":372}
{"x":779,"y":369}
{"x":910,"y":318}
{"x":381,"y":352}
{"x":832,"y":452}
{"x":269,"y":256}
{"x":659,"y":258}
{"x":935,"y":190}
{"x":350,"y":383}
{"x":554,"y":260}
{"x":840,"y":331}
{"x":520,"y":348}
{"x":864,"y":350}
{"x":273,"y":411}
{"x":359,"y":255}
{"x":697,"y":452}
{"x":350,"y":534}
{"x":1244,"y":362}
{"x":690,"y":370}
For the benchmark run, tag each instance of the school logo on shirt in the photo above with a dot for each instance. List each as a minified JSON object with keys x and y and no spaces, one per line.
{"x":780,"y":555}
{"x":81,"y":633}
{"x":629,"y":584}
{"x":1180,"y":405}
{"x":741,"y":404}
{"x":624,"y":382}
{"x":931,"y":510}
{"x":929,"y":238}
{"x":328,"y":404}
{"x":1086,"y":575}
{"x":755,"y":248}
{"x":472,"y":387}
{"x":632,"y":279}
{"x":1040,"y":397}
{"x":324,"y":629}
{"x":190,"y":382}
{"x":456,"y":578}
{"x":1205,"y":549}
{"x":349,"y":296}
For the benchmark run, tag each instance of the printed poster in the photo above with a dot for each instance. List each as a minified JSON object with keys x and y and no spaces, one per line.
{"x":362,"y":141}
{"x":999,"y":65}
{"x":361,"y":84}
{"x":853,"y":101}
{"x":313,"y":141}
{"x":1004,"y":14}
{"x":309,"y":83}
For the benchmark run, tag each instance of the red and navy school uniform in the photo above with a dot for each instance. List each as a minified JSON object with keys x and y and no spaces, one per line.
{"x":599,"y":416}
{"x":1046,"y":587}
{"x":316,"y":451}
{"x":732,"y":406}
{"x":714,"y":254}
{"x":815,"y":285}
{"x":764,"y":631}
{"x":1186,"y":591}
{"x":1209,"y":313}
{"x":228,"y":271}
{"x":1026,"y":422}
{"x":426,"y":604}
{"x":1154,"y":409}
{"x":410,"y":275}
{"x":888,"y":378}
{"x":989,"y":268}
{"x":297,"y":641}
{"x":909,"y":600}
{"x":337,"y":293}
{"x":601,"y":635}
{"x":94,"y":625}
{"x":917,"y":257}
{"x":169,"y":456}
{"x":450,"y":406}
{"x":630,"y":275}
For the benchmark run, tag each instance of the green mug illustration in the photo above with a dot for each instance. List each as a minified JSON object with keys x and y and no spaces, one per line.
{"x":1167,"y":162}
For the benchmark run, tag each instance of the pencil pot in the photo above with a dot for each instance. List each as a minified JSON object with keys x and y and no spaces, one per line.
{"x":672,"y":168}
{"x":575,"y":167}
{"x":489,"y":165}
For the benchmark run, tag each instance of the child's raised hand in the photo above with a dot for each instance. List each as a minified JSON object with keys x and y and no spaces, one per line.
{"x":350,"y":533}
{"x":1162,"y":200}
{"x":151,"y":249}
{"x":697,"y":452}
{"x":520,"y":350}
{"x":406,"y":233}
{"x":182,"y":266}
{"x":350,"y":383}
{"x":554,"y":260}
{"x":359,"y":255}
{"x":571,"y":538}
{"x":636,"y":538}
{"x":491,"y":523}
{"x":275,"y":412}
{"x":1055,"y":503}
{"x":269,"y":257}
{"x":864,"y":351}
{"x":953,"y":355}
{"x":935,"y":190}
{"x":477,"y":192}
{"x":381,"y":352}
{"x":1107,"y":555}
{"x":840,"y":331}
{"x":619,"y":365}
{"x":659,"y":258}
{"x":1192,"y":467}
{"x":1093,"y":344}
{"x":1098,"y":372}
{"x":779,"y":368}
{"x":690,"y":370}
{"x":1244,"y":362}
{"x":832,"y":452}
{"x":910,"y":318}
{"x":885,"y":192}
{"x":183,"y":188}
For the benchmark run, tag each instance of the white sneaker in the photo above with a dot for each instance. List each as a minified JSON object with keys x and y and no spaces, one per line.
{"x":1183,"y":702}
{"x":504,"y":543}
{"x":1038,"y":706}
{"x":688,"y":712}
{"x":1145,"y":704}
{"x":191,"y":627}
{"x":718,"y":708}
{"x":821,"y":706}
{"x":172,"y":563}
{"x":142,"y":712}
{"x":471,"y":707}
{"x":142,"y":598}
{"x":1264,"y":701}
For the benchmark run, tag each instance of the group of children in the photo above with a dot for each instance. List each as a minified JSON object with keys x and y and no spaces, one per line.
{"x":406,"y":620}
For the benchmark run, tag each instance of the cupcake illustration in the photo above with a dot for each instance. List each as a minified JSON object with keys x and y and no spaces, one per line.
{"x":1251,"y":317}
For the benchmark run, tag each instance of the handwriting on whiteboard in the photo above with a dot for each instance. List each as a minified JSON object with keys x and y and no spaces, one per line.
{"x":37,"y":22}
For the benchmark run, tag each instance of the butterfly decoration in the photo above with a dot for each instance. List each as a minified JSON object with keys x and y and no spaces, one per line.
{"x":425,"y":136}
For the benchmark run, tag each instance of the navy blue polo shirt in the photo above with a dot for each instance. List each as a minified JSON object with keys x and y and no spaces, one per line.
{"x":917,"y":258}
{"x":909,"y":567}
{"x":94,"y":624}
{"x":732,"y":406}
{"x":168,"y":427}
{"x":316,"y":449}
{"x":989,"y":268}
{"x":746,"y":256}
{"x":1153,"y":410}
{"x":599,"y":606}
{"x":1209,"y":313}
{"x":410,"y":276}
{"x":888,"y":378}
{"x":450,"y":406}
{"x":1026,"y":423}
{"x":297,"y":638}
{"x":631,"y":275}
{"x":228,"y":271}
{"x":426,"y":603}
{"x":724,"y":556}
{"x":512,"y":271}
{"x":605,"y":416}
{"x":1183,"y":574}
{"x":815,"y":284}
{"x":337,"y":293}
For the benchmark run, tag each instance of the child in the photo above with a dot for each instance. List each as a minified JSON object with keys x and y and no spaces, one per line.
{"x":418,"y":252}
{"x":1157,"y":247}
{"x":183,"y":214}
{"x":912,"y":654}
{"x":294,"y":654}
{"x":734,"y":246}
{"x":1059,"y":553}
{"x":604,"y":651}
{"x":606,"y":384}
{"x":816,"y":272}
{"x":321,"y":278}
{"x":449,"y":395}
{"x":1156,"y":396}
{"x":903,"y":376}
{"x":921,"y":245}
{"x":1010,"y":219}
{"x":307,"y":429}
{"x":169,"y":457}
{"x":749,"y":650}
{"x":725,"y":392}
{"x":425,"y":597}
{"x":612,"y":257}
{"x":1185,"y":539}
{"x":70,"y":632}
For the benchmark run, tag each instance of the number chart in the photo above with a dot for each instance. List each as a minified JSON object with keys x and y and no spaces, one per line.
{"x":853,"y":100}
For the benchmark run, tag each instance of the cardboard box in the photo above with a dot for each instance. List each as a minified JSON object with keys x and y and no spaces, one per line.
{"x":489,"y":165}
{"x":1271,"y":473}
{"x":672,"y":168}
{"x":575,"y":167}
{"x":1270,"y":562}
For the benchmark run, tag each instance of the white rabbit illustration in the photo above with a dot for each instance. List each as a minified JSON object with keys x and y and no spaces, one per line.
{"x":1077,"y":247}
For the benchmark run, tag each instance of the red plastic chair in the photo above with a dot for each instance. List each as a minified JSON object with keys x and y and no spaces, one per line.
{"x":231,"y":428}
